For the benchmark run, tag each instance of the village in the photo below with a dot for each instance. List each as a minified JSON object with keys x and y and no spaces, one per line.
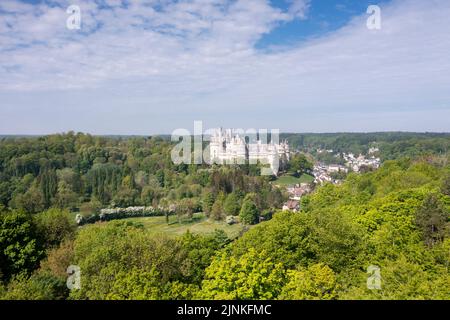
{"x":331,"y":173}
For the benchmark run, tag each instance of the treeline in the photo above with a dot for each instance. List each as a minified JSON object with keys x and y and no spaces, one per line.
{"x":395,"y":218}
{"x":392,"y":145}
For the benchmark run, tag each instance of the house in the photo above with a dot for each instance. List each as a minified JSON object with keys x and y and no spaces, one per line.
{"x":297,"y":191}
{"x":291,"y":205}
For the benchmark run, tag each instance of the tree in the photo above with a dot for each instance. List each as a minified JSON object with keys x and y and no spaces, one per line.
{"x":217,"y":212}
{"x":249,"y":277}
{"x":207,"y":202}
{"x":128,"y":182}
{"x":200,"y":251}
{"x":186,"y":207}
{"x":39,"y":286}
{"x":402,"y":279}
{"x":65,"y":197}
{"x":104,"y":180}
{"x":70,"y":178}
{"x":317,"y":282}
{"x":304,"y":239}
{"x":445,"y":187}
{"x":92,"y":206}
{"x":150,"y":195}
{"x":249,"y":212}
{"x":20,"y":250}
{"x":431,"y":219}
{"x":275,"y":198}
{"x":231,"y":205}
{"x":136,"y":284}
{"x":125,"y":197}
{"x":299,"y":164}
{"x":5,"y":192}
{"x":53,"y":226}
{"x":49,"y":186}
{"x":58,"y":259}
{"x":31,"y":201}
{"x":106,"y":253}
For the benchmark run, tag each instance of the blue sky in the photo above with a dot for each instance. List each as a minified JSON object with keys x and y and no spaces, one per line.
{"x":322,"y":17}
{"x":147,"y":67}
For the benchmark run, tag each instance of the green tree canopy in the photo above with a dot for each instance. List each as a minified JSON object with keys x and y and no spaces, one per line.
{"x":249,"y":212}
{"x":252,"y":276}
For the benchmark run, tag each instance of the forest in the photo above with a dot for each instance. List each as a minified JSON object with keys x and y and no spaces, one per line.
{"x":396,"y":218}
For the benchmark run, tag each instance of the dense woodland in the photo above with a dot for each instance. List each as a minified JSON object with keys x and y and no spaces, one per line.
{"x":396,"y":217}
{"x":82,"y":172}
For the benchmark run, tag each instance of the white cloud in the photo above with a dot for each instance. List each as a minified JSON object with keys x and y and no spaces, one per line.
{"x":299,"y":8}
{"x":119,"y":42}
{"x":197,"y":60}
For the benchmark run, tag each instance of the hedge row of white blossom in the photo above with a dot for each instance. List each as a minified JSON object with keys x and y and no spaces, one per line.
{"x":123,"y":213}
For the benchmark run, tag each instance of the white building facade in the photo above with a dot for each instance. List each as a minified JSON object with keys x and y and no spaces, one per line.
{"x":227,"y":147}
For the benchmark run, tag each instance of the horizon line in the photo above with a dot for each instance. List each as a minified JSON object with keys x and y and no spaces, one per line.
{"x":169,"y":134}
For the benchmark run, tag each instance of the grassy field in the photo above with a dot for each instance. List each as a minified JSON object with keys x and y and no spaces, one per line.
{"x":198,"y":225}
{"x":286,"y":180}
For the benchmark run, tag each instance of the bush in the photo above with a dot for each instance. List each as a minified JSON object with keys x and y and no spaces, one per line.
{"x":39,"y":286}
{"x":123,"y":213}
{"x":232,"y":205}
{"x":53,"y":226}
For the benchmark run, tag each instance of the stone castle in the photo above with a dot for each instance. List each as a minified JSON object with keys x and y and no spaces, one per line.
{"x":227,"y":147}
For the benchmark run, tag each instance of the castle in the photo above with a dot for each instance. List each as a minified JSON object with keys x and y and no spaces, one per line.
{"x":227,"y":147}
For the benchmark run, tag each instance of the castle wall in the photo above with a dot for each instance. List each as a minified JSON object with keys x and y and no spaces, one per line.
{"x":227,"y":149}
